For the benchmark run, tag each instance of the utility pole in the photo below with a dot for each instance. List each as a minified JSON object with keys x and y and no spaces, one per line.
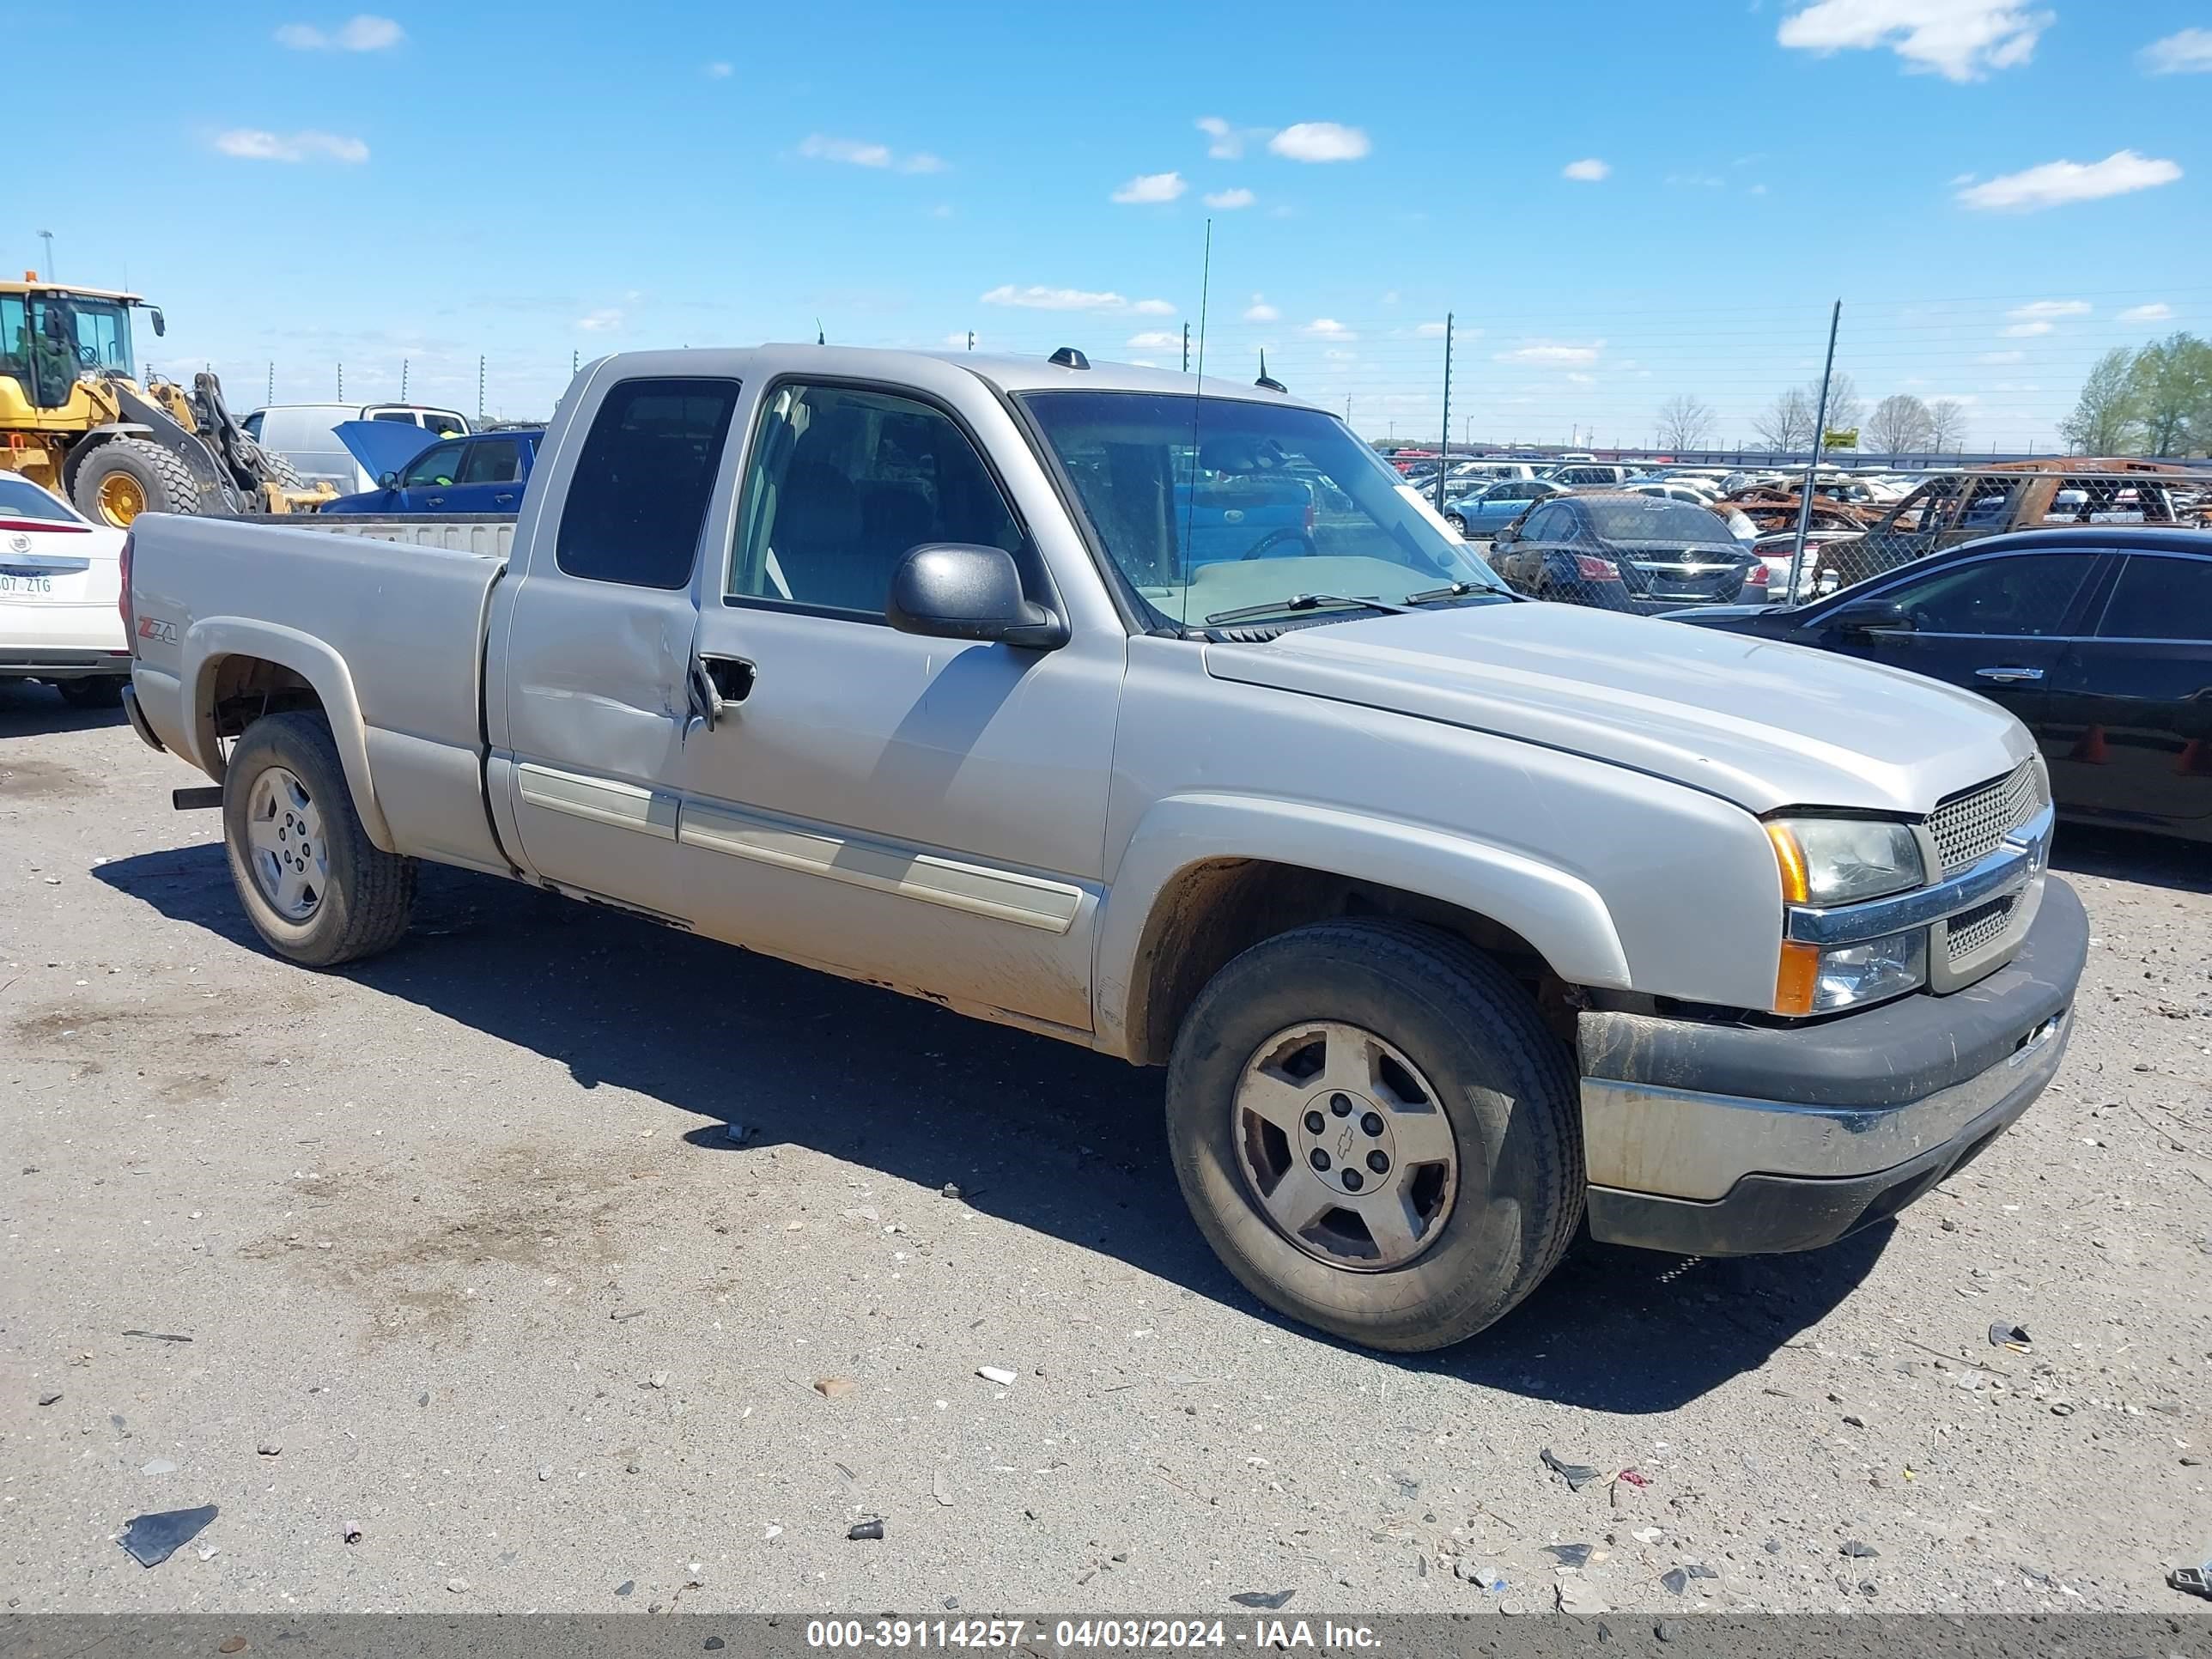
{"x":403,"y":379}
{"x":271,"y":398}
{"x":480,"y":386}
{"x":48,"y":237}
{"x":1797,"y":572}
{"x":1186,"y":347}
{"x":341,"y":382}
{"x":576,"y":358}
{"x":1443,"y":449}
{"x":971,"y":339}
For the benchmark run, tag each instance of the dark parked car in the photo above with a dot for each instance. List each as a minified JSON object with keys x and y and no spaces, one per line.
{"x":2099,"y":638}
{"x":1626,"y":552}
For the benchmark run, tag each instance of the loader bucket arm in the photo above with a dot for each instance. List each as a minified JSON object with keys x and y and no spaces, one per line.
{"x":218,"y":493}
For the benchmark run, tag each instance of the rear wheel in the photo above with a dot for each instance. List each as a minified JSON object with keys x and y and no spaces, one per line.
{"x":316,"y":889}
{"x":126,"y":476}
{"x":1375,"y":1132}
{"x":100,"y":691}
{"x":1458,"y":523}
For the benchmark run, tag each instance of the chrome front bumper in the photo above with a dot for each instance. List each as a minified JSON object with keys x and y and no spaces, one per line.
{"x":1724,"y":1139}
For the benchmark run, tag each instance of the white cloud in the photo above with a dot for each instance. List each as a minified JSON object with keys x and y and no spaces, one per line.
{"x":1147,"y":187}
{"x":364,"y":33}
{"x":2055,"y":183}
{"x":2028,"y":331}
{"x":1391,"y":298}
{"x":1261,"y":311}
{"x":2003,"y":357}
{"x":2050,"y":308}
{"x":1582,"y":379}
{"x":1227,"y":200}
{"x":852,"y":152}
{"x":958,"y":338}
{"x":2189,"y":52}
{"x":721,"y":71}
{"x":1958,"y":39}
{"x":1552,"y":354}
{"x":1430,"y":331}
{"x":605,"y":320}
{"x":1699,"y":180}
{"x":2157,"y":312}
{"x":1337,"y":355}
{"x":1156,"y":339}
{"x":1588,"y":170}
{"x":1759,"y":190}
{"x":1225,"y":143}
{"x":1320,"y":140}
{"x":1034,"y":298}
{"x":252,"y":144}
{"x":1153,"y":309}
{"x":1328,"y":328}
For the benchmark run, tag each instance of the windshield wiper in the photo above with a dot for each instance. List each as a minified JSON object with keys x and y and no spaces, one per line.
{"x":1457,"y":590}
{"x":1299,"y":602}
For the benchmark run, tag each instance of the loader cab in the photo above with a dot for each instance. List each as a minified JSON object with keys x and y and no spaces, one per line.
{"x":50,"y":337}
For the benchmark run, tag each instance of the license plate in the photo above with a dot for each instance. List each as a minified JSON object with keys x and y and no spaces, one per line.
{"x":26,"y":587}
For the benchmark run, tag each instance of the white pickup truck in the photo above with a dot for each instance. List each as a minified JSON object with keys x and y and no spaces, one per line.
{"x":1159,"y":718}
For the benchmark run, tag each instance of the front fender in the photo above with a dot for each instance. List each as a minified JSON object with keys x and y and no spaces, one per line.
{"x":1559,"y":914}
{"x":209,"y":642}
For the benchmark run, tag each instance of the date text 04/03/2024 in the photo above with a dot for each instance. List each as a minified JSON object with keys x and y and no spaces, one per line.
{"x":1082,"y":1634}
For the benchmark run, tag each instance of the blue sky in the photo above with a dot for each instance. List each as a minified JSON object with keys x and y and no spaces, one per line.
{"x":1998,"y":193}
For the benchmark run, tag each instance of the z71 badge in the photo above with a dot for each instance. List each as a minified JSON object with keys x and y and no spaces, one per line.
{"x":153,"y":628}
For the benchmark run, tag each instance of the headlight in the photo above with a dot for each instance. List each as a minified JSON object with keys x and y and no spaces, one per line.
{"x":1831,"y":861}
{"x":1848,"y":974}
{"x":1835,"y":860}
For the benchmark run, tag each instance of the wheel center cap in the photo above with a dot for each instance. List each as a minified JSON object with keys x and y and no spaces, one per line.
{"x":1344,"y":1138}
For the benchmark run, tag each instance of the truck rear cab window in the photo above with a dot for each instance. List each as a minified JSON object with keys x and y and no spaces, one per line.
{"x":492,"y":460}
{"x":639,"y":498}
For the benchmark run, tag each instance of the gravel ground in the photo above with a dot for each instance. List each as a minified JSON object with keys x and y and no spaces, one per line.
{"x":469,"y":1264}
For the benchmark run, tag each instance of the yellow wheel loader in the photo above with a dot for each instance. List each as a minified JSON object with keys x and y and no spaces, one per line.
{"x":75,"y":418}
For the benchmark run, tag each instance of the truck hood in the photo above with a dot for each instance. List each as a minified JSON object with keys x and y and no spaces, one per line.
{"x":383,"y":446}
{"x":1760,"y":723}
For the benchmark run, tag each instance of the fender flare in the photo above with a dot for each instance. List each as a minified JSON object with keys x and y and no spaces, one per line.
{"x":1562,"y":916}
{"x":212,"y":640}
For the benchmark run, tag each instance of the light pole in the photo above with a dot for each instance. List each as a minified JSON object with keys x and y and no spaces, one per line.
{"x":47,"y":236}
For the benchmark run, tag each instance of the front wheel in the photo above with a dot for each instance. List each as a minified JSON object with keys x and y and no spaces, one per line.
{"x":316,"y":889}
{"x":1458,"y":525}
{"x":1375,"y":1132}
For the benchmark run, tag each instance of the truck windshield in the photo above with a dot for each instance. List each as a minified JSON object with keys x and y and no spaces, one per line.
{"x":1212,"y":505}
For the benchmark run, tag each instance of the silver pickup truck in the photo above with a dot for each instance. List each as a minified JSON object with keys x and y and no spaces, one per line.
{"x":1159,"y":717}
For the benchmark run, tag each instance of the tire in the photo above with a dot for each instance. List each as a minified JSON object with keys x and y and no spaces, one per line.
{"x":99,"y":691}
{"x":361,"y":895}
{"x":1457,"y":524}
{"x":160,"y":481}
{"x":1506,"y":1089}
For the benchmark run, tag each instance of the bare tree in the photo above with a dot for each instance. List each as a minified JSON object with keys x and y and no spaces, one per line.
{"x":1684,"y":423}
{"x":1946,"y":424}
{"x":2106,"y":420}
{"x":1900,"y":424}
{"x":1844,"y":404}
{"x":1787,"y":422}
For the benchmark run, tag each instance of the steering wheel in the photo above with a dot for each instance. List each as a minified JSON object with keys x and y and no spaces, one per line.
{"x":88,"y":355}
{"x":1267,"y":544}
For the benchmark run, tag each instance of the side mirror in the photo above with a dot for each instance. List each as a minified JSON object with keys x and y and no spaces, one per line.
{"x":1503,"y":534}
{"x":955,"y":590}
{"x":388,"y":481}
{"x":159,"y":327}
{"x":1866,"y":616}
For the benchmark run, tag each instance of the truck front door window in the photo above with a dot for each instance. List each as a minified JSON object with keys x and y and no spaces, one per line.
{"x":639,"y":498}
{"x":844,"y":484}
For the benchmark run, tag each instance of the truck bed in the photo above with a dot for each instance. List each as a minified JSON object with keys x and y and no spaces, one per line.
{"x":390,"y":627}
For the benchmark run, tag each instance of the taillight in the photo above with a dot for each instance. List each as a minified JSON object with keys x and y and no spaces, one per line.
{"x":123,"y":593}
{"x":1593,"y":569}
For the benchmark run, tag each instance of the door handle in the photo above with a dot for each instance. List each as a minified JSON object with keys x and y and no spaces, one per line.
{"x":437,"y":501}
{"x":504,"y":495}
{"x":713,"y":682}
{"x":2008,"y":676}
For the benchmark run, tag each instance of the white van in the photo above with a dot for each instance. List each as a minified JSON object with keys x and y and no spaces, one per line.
{"x":305,"y":434}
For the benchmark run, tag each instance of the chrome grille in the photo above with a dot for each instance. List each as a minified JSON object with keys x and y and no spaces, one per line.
{"x":1969,"y":930}
{"x":1968,"y":828}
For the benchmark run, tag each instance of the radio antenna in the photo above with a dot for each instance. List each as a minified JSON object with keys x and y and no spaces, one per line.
{"x":1197,"y":397}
